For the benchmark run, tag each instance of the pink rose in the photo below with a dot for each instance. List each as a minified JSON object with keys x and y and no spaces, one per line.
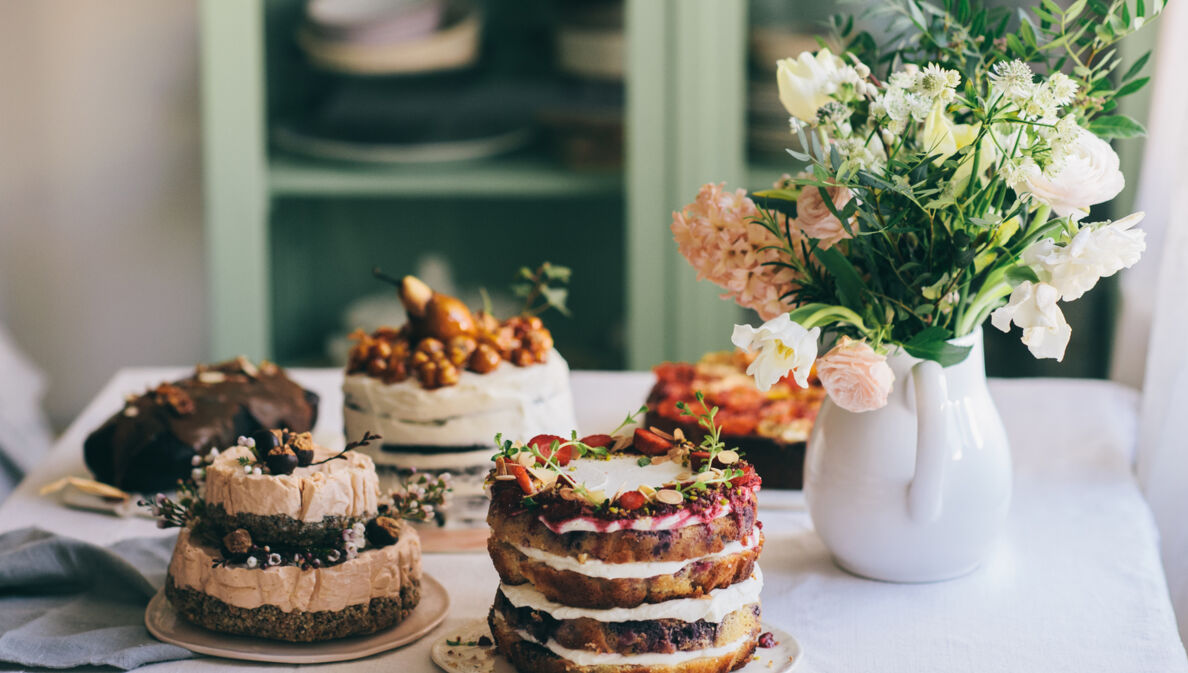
{"x":814,"y":219}
{"x":856,"y":378}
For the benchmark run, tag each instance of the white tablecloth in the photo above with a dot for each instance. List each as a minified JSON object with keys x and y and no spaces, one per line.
{"x":1076,"y":584}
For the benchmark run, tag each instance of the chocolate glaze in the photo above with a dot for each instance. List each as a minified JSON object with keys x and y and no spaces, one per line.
{"x":153,"y":448}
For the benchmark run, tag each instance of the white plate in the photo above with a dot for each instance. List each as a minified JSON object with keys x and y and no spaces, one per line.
{"x":455,"y":652}
{"x":164,"y":623}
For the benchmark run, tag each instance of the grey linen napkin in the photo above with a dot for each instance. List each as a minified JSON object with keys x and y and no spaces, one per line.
{"x":66,"y":603}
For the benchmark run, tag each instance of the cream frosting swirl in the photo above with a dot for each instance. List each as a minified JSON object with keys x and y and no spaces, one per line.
{"x":374,"y":573}
{"x":346,"y":487}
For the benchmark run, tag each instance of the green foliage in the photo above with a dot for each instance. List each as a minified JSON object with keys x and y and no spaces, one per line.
{"x":543,"y":288}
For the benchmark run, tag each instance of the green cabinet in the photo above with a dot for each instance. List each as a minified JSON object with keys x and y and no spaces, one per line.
{"x":290,"y":240}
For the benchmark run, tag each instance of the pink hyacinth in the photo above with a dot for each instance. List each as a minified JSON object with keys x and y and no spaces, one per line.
{"x":720,"y":236}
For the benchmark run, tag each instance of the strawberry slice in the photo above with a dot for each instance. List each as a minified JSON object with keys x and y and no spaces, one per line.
{"x":522,"y":477}
{"x":632,"y":500}
{"x":544,"y":444}
{"x":598,"y":441}
{"x":649,"y":443}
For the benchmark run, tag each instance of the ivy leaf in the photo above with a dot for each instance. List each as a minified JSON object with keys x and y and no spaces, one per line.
{"x":1018,"y":274}
{"x":931,"y":343}
{"x":849,"y":283}
{"x":1117,"y":126}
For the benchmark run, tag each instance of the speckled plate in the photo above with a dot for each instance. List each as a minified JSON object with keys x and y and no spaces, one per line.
{"x":458,"y":651}
{"x":164,"y":623}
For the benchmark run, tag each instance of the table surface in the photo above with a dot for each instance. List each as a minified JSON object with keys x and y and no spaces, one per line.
{"x":1075,"y":585}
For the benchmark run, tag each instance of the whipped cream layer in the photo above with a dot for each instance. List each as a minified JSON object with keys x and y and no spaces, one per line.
{"x":374,"y":573}
{"x":672,"y":521}
{"x":343,"y":487}
{"x":635,"y":570}
{"x":711,"y":607}
{"x":588,"y":658}
{"x":520,"y":402}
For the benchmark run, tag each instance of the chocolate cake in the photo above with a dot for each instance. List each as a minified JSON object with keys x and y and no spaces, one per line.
{"x":635,"y":551}
{"x":770,"y":427}
{"x":439,"y":388}
{"x":284,"y":540}
{"x":151,"y":443}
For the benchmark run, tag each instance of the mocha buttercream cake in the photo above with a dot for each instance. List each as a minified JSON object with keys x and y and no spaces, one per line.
{"x":439,"y":388}
{"x":772,"y":426}
{"x":149,"y":444}
{"x":634,"y":552}
{"x":286,"y":540}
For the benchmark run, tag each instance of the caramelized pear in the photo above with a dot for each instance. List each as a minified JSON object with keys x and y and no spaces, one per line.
{"x":447,"y":317}
{"x":415,"y":295}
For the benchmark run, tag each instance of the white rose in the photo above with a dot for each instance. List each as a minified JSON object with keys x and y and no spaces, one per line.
{"x":1088,"y":174}
{"x":783,"y":346}
{"x":1093,"y":253}
{"x":807,"y":81}
{"x":1033,"y":307}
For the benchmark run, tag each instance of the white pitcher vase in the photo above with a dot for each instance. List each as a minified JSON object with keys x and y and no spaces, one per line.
{"x":918,"y":490}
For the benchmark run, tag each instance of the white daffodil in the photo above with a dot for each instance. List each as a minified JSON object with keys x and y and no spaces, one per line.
{"x":1095,"y":252}
{"x":1033,"y":307}
{"x":1087,"y":174}
{"x":783,"y":346}
{"x":807,"y":82}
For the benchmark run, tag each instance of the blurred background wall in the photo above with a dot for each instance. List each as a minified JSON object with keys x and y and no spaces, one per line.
{"x":100,"y":189}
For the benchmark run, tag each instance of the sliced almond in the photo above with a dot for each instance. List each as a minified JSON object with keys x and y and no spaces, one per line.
{"x":705,"y":476}
{"x":622,"y":442}
{"x":567,"y":494}
{"x":500,"y":467}
{"x":246,"y":366}
{"x":684,"y":476}
{"x":670,"y":497}
{"x":660,"y":460}
{"x":547,"y":477}
{"x":596,"y":497}
{"x":505,"y":477}
{"x":678,"y":434}
{"x":211,"y":377}
{"x":132,"y":412}
{"x":727,"y":457}
{"x":658,"y":431}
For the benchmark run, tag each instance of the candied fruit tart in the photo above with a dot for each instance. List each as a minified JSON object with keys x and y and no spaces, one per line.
{"x":772,"y":426}
{"x":631,"y":551}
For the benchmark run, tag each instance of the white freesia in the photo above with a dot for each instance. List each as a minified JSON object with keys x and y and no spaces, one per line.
{"x":783,"y":346}
{"x":1087,"y":174}
{"x":1094,"y":252}
{"x":807,"y":81}
{"x":1032,"y":306}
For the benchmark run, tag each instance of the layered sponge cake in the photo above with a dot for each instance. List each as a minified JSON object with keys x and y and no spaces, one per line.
{"x":439,"y":388}
{"x":286,"y":540}
{"x":631,"y":552}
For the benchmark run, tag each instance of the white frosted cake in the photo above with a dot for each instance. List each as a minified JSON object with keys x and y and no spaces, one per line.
{"x":440,"y":388}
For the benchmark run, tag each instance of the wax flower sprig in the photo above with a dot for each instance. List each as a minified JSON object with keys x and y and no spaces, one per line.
{"x":419,"y":496}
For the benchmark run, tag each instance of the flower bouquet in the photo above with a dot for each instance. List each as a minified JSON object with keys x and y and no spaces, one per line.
{"x":950,"y":175}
